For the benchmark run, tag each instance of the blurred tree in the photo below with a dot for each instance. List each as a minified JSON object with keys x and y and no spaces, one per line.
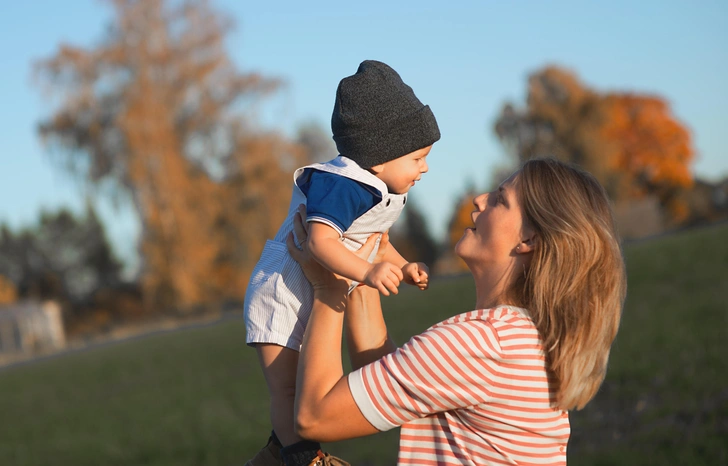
{"x":156,"y":111}
{"x":412,"y":238}
{"x":64,"y":257}
{"x":460,"y":219}
{"x":77,"y":251}
{"x":318,"y":144}
{"x":630,"y":142}
{"x":649,"y":148}
{"x":8,"y":292}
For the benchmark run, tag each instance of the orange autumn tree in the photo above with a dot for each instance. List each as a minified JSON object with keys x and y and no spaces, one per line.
{"x":156,"y":112}
{"x":631,"y":143}
{"x":649,"y":147}
{"x":8,"y":291}
{"x":460,"y":219}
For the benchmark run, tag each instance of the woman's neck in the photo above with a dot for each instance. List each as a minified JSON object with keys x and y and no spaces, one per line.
{"x":492,"y":287}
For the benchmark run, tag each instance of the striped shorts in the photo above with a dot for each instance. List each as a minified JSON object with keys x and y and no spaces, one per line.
{"x":278,"y":299}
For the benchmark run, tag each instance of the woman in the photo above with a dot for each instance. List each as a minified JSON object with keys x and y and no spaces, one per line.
{"x":490,"y":386}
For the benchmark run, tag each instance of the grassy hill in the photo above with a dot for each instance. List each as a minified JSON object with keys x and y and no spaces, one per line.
{"x":196,"y":396}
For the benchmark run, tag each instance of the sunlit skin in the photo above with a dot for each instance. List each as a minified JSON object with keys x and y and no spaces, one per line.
{"x":497,"y":243}
{"x":384,"y":276}
{"x":402,"y":173}
{"x":511,"y":252}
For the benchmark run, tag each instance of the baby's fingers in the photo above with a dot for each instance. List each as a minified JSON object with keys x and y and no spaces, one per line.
{"x":391,"y":286}
{"x":397,"y":272}
{"x":415,"y":276}
{"x":423,"y":280}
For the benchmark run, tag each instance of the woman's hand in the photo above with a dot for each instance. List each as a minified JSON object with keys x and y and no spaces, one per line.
{"x":315,"y":273}
{"x":383,"y":245}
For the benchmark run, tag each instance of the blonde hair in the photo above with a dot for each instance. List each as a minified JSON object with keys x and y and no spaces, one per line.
{"x":575,"y":285}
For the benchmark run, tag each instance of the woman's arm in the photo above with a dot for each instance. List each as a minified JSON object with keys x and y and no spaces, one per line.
{"x":324,"y":409}
{"x":366,"y":331}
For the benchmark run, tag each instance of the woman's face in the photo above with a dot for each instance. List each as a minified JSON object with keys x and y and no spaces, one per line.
{"x":498,"y":230}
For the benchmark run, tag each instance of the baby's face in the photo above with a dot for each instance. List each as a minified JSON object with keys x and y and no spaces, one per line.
{"x":401,"y":174}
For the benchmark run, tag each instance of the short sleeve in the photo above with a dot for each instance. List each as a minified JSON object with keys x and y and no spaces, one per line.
{"x":448,"y":367}
{"x":336,"y":200}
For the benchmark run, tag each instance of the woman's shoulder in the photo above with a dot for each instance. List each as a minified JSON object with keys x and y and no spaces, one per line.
{"x":505,"y":322}
{"x":500,"y":330}
{"x":497,"y":314}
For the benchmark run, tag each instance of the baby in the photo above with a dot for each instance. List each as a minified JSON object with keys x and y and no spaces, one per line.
{"x":383,"y":134}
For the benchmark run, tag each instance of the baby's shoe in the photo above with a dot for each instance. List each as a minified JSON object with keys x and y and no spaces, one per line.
{"x":324,"y":459}
{"x":270,"y":455}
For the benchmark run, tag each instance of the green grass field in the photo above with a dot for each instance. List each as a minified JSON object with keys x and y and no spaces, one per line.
{"x":197,"y":397}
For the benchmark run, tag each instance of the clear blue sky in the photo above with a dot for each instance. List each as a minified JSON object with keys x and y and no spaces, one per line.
{"x":464,"y":59}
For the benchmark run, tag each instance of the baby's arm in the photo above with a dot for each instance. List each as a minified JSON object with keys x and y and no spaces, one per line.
{"x":325,"y":247}
{"x":415,"y":273}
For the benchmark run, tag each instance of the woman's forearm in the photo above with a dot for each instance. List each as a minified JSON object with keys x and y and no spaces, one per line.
{"x":325,"y":409}
{"x":319,"y":364}
{"x":366,"y":331}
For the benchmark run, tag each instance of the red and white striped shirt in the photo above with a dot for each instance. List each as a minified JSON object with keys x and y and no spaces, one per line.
{"x":470,"y":390}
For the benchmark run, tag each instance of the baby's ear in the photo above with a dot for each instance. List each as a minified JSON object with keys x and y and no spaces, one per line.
{"x":377,"y":169}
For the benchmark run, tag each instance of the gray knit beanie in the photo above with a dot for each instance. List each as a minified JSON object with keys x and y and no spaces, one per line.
{"x":378,"y":118}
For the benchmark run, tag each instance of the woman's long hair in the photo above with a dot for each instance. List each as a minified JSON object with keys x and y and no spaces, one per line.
{"x":576,"y":283}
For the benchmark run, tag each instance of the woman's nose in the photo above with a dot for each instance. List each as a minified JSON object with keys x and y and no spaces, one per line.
{"x":480,"y":201}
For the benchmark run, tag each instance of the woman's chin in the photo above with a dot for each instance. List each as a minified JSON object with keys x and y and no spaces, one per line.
{"x":459,"y":245}
{"x":459,"y":248}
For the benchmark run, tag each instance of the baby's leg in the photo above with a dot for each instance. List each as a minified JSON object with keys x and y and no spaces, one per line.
{"x":279,"y":367}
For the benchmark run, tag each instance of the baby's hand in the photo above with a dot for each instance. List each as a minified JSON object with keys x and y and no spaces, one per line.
{"x":417,"y":274}
{"x":383,"y":276}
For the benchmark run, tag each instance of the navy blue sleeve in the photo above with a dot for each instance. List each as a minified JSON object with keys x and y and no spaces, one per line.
{"x":336,"y":200}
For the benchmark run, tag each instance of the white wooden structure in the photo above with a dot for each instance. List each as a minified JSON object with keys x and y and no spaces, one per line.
{"x":31,"y":326}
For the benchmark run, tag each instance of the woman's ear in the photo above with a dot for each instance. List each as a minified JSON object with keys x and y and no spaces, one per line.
{"x":528,"y":244}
